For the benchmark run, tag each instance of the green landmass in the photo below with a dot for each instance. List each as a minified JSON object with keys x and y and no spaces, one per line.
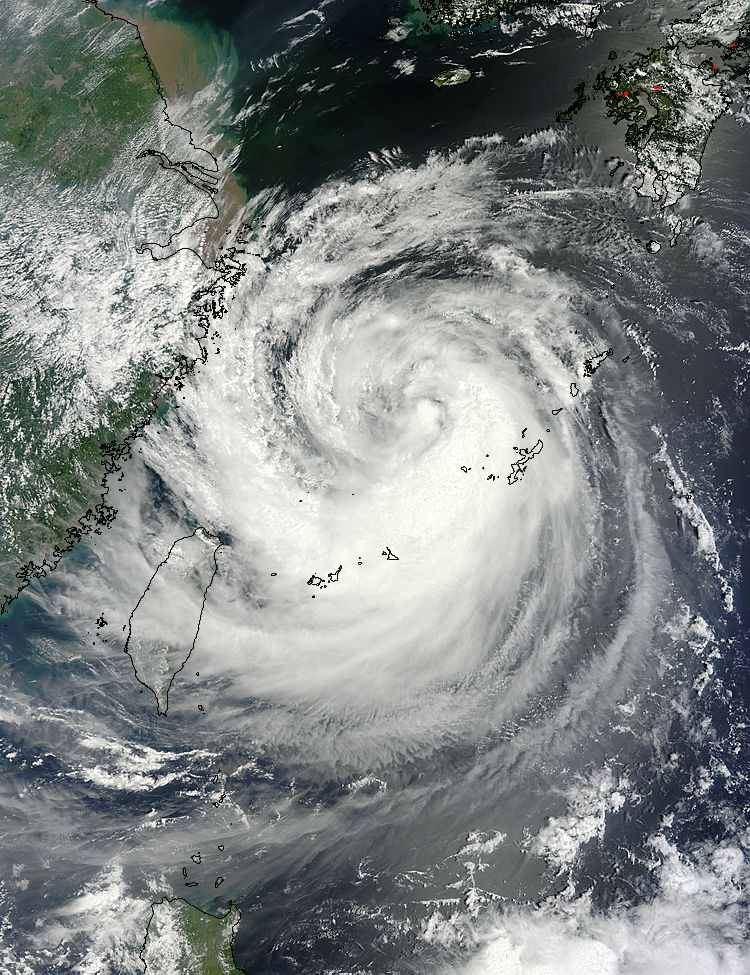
{"x":456,"y":16}
{"x":452,"y":17}
{"x":184,"y":940}
{"x":652,"y":92}
{"x":75,"y":91}
{"x":188,"y":51}
{"x":67,"y":473}
{"x":453,"y":76}
{"x":670,"y":98}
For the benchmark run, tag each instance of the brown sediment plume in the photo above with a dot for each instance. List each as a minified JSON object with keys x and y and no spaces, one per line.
{"x":186,"y":60}
{"x":230,"y":199}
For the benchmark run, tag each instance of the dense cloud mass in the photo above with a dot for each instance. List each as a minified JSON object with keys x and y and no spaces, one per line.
{"x":413,"y":634}
{"x":443,"y":430}
{"x":396,"y":376}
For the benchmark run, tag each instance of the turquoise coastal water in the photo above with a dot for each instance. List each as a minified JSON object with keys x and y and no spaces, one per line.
{"x":519,"y":742}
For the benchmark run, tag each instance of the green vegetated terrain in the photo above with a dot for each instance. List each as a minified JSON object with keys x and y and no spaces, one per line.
{"x":451,"y":77}
{"x":670,"y":98}
{"x":654,"y":93}
{"x":78,"y":101}
{"x":75,"y":91}
{"x":184,"y":940}
{"x":459,"y":16}
{"x":50,"y":482}
{"x":449,"y":16}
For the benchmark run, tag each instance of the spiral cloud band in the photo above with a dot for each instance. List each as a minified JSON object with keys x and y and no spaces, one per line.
{"x":418,"y":462}
{"x":387,"y":505}
{"x":448,"y":671}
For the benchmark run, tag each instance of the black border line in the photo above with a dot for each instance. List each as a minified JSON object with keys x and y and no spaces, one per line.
{"x":210,"y":302}
{"x":200,"y":615}
{"x":214,"y":917}
{"x":164,"y":160}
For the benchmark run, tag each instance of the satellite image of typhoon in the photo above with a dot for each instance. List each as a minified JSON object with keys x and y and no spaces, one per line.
{"x":375,"y":487}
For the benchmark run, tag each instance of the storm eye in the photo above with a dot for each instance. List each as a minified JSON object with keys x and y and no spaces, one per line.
{"x":373,"y":489}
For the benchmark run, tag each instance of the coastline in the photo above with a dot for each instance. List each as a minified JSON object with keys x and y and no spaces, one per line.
{"x":213,"y":249}
{"x":185,"y":62}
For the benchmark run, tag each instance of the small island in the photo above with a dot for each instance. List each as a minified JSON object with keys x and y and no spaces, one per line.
{"x":453,"y":76}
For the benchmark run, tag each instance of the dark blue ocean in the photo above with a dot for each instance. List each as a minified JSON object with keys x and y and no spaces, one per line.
{"x":528,"y":751}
